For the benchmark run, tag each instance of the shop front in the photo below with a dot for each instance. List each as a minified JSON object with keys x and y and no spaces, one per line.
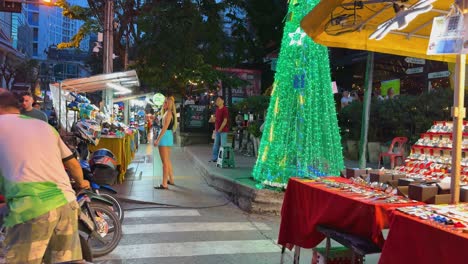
{"x":100,"y":125}
{"x":423,"y":200}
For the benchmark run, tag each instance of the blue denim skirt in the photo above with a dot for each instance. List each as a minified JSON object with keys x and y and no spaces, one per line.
{"x":167,"y":140}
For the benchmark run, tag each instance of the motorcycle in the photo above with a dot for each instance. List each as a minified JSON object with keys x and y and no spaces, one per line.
{"x":98,"y":224}
{"x":101,"y":168}
{"x":103,"y":190}
{"x":86,"y":250}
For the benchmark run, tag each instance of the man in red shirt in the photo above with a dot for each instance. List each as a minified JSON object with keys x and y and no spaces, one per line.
{"x":221,"y":127}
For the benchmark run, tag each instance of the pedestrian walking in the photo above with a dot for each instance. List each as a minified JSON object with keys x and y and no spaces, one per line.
{"x":165,"y":141}
{"x":42,"y":218}
{"x":29,"y":110}
{"x":221,"y":127}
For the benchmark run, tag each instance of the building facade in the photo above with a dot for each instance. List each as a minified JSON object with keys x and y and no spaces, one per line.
{"x":50,"y":27}
{"x":12,"y":26}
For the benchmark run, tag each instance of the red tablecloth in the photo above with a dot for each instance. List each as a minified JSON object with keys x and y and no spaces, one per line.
{"x":308,"y":204}
{"x":412,"y":240}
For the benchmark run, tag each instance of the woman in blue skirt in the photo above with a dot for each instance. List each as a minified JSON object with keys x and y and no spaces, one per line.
{"x":165,"y":141}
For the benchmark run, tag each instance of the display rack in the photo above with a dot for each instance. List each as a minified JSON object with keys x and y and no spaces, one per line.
{"x":431,"y":155}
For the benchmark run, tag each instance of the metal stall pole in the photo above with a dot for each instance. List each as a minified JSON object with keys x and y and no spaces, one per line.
{"x":458,"y":113}
{"x":366,"y":109}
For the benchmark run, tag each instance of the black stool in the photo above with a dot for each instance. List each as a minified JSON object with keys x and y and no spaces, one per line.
{"x":358,"y":245}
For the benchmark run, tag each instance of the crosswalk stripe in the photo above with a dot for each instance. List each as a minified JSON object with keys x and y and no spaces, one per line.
{"x":192,"y":227}
{"x":185,"y":249}
{"x":160,"y":213}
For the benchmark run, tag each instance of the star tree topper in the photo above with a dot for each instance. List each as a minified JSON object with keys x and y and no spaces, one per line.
{"x":297,"y":37}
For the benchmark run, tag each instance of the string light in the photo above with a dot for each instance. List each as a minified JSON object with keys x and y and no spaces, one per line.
{"x":301,"y":135}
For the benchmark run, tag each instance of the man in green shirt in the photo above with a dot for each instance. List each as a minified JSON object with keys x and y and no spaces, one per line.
{"x":42,"y":217}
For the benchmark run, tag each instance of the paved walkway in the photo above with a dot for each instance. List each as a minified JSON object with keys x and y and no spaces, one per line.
{"x":192,"y":190}
{"x":145,"y":172}
{"x":189,"y":162}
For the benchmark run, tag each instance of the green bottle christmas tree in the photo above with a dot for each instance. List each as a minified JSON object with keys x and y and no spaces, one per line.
{"x":301,"y":135}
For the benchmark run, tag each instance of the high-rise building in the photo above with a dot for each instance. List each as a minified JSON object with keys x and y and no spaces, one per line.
{"x":50,"y":27}
{"x":12,"y":26}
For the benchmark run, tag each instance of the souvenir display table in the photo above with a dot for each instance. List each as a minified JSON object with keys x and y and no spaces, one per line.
{"x":418,"y":239}
{"x":308,"y":203}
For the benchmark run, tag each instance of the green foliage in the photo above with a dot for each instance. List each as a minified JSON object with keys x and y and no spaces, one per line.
{"x":126,"y":32}
{"x":24,"y":71}
{"x":266,"y":17}
{"x":256,"y":104}
{"x":173,"y":42}
{"x":91,"y":24}
{"x":254,"y":129}
{"x":407,"y":115}
{"x":349,"y":120}
{"x":183,"y":42}
{"x":84,"y":30}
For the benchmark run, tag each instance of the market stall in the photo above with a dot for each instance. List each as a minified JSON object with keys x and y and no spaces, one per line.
{"x":395,"y":27}
{"x":338,"y":202}
{"x":433,"y":239}
{"x":141,"y":112}
{"x":123,"y":148}
{"x":402,"y":28}
{"x":71,"y":104}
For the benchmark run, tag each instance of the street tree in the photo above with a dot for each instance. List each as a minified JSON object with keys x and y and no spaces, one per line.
{"x":19,"y":71}
{"x":126,"y":31}
{"x":183,"y":42}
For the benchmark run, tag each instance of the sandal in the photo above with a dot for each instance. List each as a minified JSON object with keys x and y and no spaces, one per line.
{"x":161,"y":187}
{"x":168,"y":182}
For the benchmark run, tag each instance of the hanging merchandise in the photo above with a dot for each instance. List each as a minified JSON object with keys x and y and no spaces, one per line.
{"x":118,"y":112}
{"x":86,"y":110}
{"x":88,"y":130}
{"x":448,"y":34}
{"x":301,"y":135}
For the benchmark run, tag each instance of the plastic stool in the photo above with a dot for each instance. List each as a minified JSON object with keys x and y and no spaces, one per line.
{"x":226,"y":157}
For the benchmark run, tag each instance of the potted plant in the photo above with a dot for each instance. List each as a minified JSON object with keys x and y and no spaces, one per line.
{"x":349,"y":120}
{"x":254,"y":131}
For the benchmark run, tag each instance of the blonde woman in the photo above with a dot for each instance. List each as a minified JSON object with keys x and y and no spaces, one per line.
{"x":165,"y":141}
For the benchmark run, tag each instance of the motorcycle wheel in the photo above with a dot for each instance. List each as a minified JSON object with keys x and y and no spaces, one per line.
{"x":116,"y":206}
{"x":107,"y":227}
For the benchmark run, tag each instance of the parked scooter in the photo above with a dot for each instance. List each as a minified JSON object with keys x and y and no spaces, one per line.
{"x":102,"y":168}
{"x":104,"y":190}
{"x":86,"y":250}
{"x":98,"y":224}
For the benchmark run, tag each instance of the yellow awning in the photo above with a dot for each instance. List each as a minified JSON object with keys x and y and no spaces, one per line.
{"x":332,"y":23}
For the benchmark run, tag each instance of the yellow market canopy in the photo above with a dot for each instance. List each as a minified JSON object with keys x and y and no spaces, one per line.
{"x":337,"y":23}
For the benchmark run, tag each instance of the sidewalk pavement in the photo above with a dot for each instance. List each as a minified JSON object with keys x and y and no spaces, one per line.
{"x":197,"y":180}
